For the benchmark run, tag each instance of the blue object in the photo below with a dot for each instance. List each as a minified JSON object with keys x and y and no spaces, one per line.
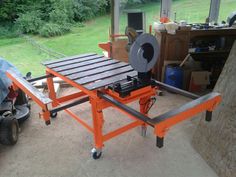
{"x":5,"y":82}
{"x":174,"y":76}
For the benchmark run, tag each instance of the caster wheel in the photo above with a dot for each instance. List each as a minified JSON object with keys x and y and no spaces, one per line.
{"x":143,"y":131}
{"x":96,"y":154}
{"x":53,"y":115}
{"x":48,"y":122}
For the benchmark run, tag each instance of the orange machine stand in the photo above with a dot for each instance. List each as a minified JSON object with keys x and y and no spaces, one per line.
{"x":101,"y":99}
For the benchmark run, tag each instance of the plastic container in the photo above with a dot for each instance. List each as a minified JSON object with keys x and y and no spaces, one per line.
{"x":174,"y":76}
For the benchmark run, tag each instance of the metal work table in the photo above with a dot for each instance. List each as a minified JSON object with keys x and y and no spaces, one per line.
{"x":91,"y":71}
{"x":94,"y":75}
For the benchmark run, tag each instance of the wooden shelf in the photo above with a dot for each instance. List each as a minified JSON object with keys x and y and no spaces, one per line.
{"x":216,"y":55}
{"x":211,"y":52}
{"x":176,"y":47}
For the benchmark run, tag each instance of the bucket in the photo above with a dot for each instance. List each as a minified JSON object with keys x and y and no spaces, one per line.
{"x":174,"y":75}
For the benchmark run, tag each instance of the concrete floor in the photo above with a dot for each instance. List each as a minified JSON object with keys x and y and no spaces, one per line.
{"x":63,"y":148}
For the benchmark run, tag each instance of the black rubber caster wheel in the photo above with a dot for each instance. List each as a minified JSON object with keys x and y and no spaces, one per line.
{"x":48,"y":122}
{"x":53,"y":115}
{"x":96,"y":154}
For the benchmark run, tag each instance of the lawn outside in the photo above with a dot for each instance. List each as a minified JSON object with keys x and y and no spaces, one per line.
{"x":85,"y":39}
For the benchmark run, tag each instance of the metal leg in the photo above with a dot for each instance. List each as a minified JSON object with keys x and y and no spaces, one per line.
{"x":208,"y":116}
{"x":97,"y":125}
{"x":144,"y":130}
{"x":51,"y":90}
{"x":159,"y":142}
{"x":143,"y":103}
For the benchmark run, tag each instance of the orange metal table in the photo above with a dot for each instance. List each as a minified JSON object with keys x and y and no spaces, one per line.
{"x":91,"y":74}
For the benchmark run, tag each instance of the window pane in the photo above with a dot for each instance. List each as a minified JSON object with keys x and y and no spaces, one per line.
{"x":192,"y":11}
{"x":226,"y":8}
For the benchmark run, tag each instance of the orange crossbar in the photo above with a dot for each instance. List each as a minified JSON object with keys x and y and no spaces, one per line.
{"x":121,"y":130}
{"x":70,"y":97}
{"x":74,"y":116}
{"x":163,"y":126}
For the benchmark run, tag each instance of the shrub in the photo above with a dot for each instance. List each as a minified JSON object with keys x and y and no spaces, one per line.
{"x":58,"y":16}
{"x":7,"y":30}
{"x":29,"y":22}
{"x":49,"y":17}
{"x":87,"y":9}
{"x":52,"y":29}
{"x":62,"y":12}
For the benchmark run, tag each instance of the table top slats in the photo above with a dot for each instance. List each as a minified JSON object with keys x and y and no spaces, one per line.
{"x":104,"y":75}
{"x":109,"y":81}
{"x":92,"y":71}
{"x":97,"y":71}
{"x":89,"y":67}
{"x":67,"y":58}
{"x":74,"y":61}
{"x":78,"y":65}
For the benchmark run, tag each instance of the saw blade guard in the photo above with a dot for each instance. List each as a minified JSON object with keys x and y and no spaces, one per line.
{"x":144,"y":53}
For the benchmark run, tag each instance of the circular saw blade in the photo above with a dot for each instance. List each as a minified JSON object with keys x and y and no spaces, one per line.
{"x":144,"y":53}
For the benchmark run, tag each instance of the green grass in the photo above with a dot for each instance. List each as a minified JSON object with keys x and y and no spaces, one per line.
{"x":192,"y":11}
{"x":24,"y":57}
{"x":85,"y":39}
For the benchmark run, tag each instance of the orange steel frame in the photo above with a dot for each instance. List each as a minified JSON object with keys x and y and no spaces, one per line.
{"x":98,"y":104}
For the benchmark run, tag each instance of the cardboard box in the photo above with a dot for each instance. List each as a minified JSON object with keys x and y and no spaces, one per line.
{"x":188,"y":67}
{"x":199,"y":81}
{"x":119,"y":51}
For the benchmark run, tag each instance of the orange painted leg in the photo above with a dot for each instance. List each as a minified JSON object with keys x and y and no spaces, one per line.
{"x":97,"y":126}
{"x":144,"y":105}
{"x":51,"y":91}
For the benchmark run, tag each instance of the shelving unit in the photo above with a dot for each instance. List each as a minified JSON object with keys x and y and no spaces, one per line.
{"x":176,"y":48}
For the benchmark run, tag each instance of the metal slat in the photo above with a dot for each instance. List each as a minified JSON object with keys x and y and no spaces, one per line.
{"x":97,"y":71}
{"x":24,"y":84}
{"x":110,"y":80}
{"x":67,"y":58}
{"x":176,"y":90}
{"x":126,"y":108}
{"x":75,"y":103}
{"x":104,"y":75}
{"x":76,"y":60}
{"x":185,"y":107}
{"x":90,"y":67}
{"x":72,"y":66}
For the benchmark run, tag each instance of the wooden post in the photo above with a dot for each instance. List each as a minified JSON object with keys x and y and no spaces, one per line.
{"x":216,"y":140}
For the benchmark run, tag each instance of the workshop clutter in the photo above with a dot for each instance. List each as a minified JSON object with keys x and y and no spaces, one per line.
{"x":190,"y":76}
